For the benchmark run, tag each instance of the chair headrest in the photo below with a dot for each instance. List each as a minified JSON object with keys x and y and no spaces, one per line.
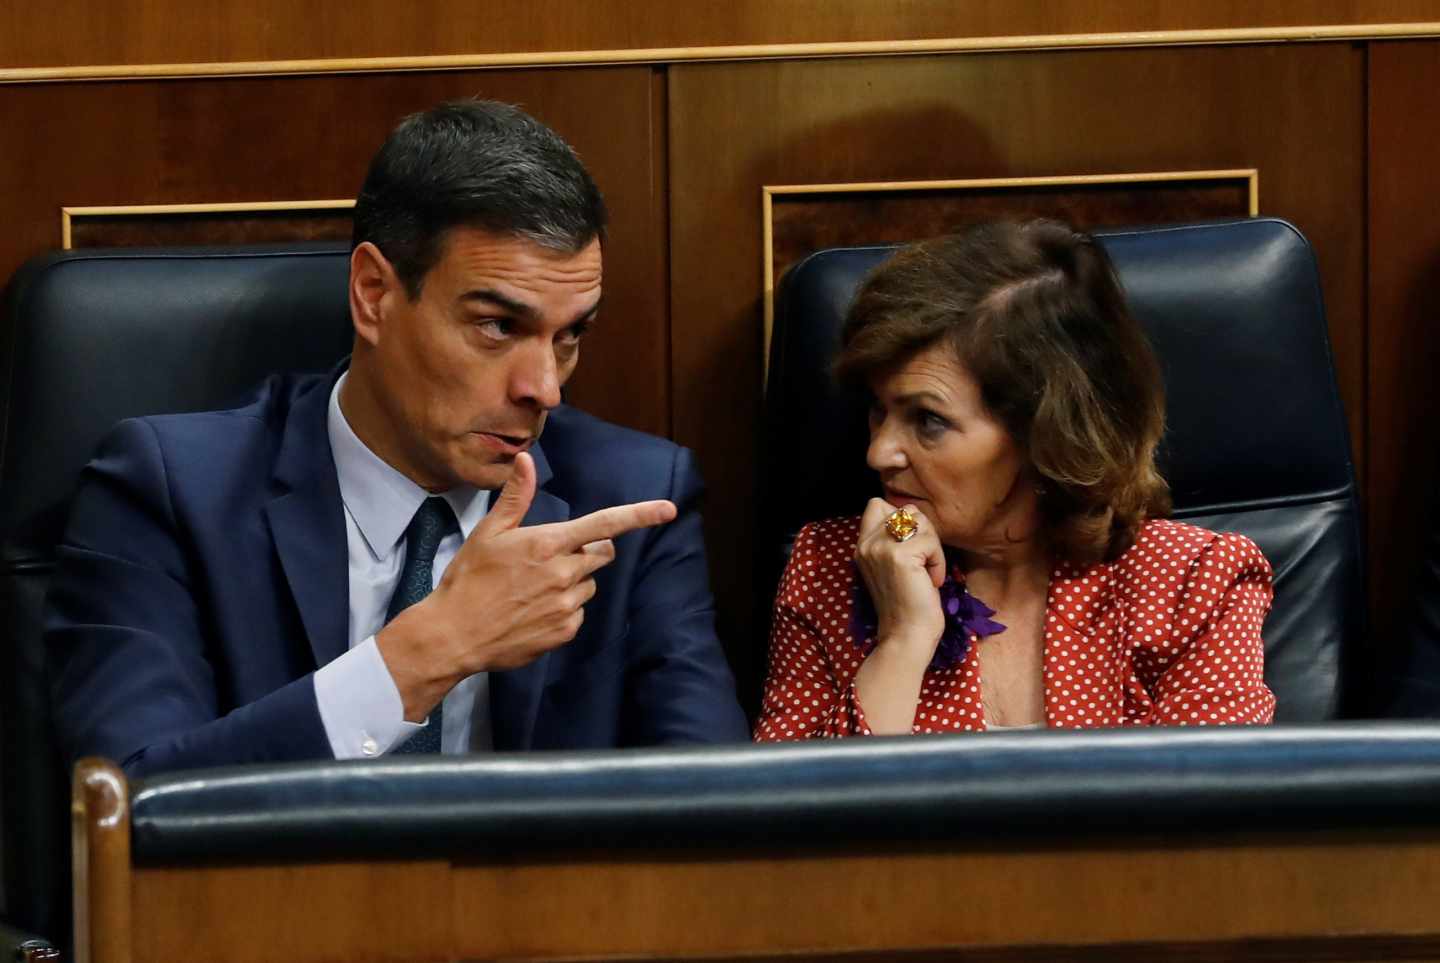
{"x":1235,"y":314}
{"x":97,"y":336}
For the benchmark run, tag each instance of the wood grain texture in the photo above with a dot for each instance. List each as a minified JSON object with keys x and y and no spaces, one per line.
{"x":395,"y":912}
{"x":1404,"y":344}
{"x":806,"y":223}
{"x":1216,"y":892}
{"x":1325,"y":897}
{"x":1362,"y":949}
{"x":135,"y":230}
{"x":100,"y":847}
{"x":1295,"y":113}
{"x":218,"y":141}
{"x":77,"y":32}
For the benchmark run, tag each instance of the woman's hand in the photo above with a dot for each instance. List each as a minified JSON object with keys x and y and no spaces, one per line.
{"x":903,"y":579}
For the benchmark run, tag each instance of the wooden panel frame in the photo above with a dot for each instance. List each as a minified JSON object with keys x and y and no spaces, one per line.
{"x":769,"y":192}
{"x":1231,"y":898}
{"x":1225,"y":895}
{"x":731,"y":52}
{"x":69,"y":214}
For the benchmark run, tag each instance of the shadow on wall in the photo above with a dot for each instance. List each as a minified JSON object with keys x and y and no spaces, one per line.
{"x":925,"y":142}
{"x":1404,"y":679}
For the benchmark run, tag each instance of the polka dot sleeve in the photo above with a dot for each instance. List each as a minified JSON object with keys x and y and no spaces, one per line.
{"x":1214,"y":674}
{"x":803,"y":697}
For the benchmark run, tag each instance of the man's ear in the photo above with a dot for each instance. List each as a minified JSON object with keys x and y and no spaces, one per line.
{"x":374,"y":285}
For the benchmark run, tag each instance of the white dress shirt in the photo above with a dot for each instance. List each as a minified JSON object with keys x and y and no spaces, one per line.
{"x":360,"y":704}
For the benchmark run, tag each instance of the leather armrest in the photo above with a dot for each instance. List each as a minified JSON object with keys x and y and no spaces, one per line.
{"x":802,"y":795}
{"x":18,"y":946}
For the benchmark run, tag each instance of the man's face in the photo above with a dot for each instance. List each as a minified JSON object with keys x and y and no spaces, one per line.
{"x":464,"y":375}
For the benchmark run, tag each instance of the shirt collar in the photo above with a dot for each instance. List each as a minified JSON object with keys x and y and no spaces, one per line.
{"x":379,"y":498}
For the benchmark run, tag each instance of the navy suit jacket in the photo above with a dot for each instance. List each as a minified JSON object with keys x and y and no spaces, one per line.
{"x":203,"y":579}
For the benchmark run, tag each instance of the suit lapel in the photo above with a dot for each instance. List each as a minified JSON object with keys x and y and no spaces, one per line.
{"x":515,"y":694}
{"x":307,"y":523}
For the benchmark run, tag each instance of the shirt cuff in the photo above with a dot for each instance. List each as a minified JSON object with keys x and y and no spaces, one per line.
{"x":360,"y":704}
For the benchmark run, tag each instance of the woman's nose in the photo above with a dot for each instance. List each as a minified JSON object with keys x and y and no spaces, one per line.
{"x":886,"y":451}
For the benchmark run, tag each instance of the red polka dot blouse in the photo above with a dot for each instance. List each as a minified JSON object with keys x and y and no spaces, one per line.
{"x":1168,"y":634}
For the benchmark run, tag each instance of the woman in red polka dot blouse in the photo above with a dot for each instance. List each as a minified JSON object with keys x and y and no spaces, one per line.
{"x":1016,"y":410}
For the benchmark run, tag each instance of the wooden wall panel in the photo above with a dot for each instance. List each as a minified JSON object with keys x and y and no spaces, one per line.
{"x":803,"y":223}
{"x":1404,"y":300}
{"x":141,"y":227}
{"x":84,"y":32}
{"x":720,"y":131}
{"x":1296,"y":113}
{"x":269,"y":139}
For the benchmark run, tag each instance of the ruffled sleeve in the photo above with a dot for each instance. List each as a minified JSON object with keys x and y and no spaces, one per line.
{"x":1217,"y":674}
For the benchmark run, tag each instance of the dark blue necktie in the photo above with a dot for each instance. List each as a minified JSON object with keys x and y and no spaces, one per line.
{"x":432,"y":522}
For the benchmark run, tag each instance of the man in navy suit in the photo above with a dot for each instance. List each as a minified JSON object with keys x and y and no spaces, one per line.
{"x":392,"y":558}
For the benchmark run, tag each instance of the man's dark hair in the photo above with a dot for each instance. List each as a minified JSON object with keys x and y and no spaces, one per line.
{"x":474,"y":163}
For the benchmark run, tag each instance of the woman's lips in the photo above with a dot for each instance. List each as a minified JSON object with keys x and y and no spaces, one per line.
{"x":900,"y":499}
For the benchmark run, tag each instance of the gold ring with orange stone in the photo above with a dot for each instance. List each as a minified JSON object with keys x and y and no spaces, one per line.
{"x":902,"y":524}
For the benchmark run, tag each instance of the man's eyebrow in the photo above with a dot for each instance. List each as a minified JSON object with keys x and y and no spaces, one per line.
{"x":490,"y":296}
{"x":589,"y":313}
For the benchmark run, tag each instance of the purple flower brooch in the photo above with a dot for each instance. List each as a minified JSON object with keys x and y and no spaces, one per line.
{"x":965,"y":616}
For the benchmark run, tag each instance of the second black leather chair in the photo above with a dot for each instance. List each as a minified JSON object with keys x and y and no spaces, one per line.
{"x":1256,"y":440}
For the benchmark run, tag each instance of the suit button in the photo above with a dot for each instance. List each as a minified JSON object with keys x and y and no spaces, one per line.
{"x":370,"y":747}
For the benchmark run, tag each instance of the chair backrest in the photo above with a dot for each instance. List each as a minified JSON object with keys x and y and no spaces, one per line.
{"x":90,"y":338}
{"x":1256,"y":439}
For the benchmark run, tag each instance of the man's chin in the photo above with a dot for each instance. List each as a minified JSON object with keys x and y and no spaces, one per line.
{"x":491,"y":476}
{"x":490,"y":472}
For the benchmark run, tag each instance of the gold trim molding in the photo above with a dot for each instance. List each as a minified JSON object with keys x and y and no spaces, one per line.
{"x":769,"y":192}
{"x":663,"y":55}
{"x":67,"y":214}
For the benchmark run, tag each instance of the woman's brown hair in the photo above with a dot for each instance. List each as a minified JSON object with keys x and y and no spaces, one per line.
{"x":1036,"y":315}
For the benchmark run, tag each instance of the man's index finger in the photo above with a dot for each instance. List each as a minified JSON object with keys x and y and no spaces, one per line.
{"x":614,"y":521}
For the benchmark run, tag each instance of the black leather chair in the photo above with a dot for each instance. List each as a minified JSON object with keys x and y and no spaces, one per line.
{"x":89,"y":338}
{"x":1256,"y":439}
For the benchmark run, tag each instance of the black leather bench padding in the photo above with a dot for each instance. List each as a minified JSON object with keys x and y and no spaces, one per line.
{"x":1028,"y":785}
